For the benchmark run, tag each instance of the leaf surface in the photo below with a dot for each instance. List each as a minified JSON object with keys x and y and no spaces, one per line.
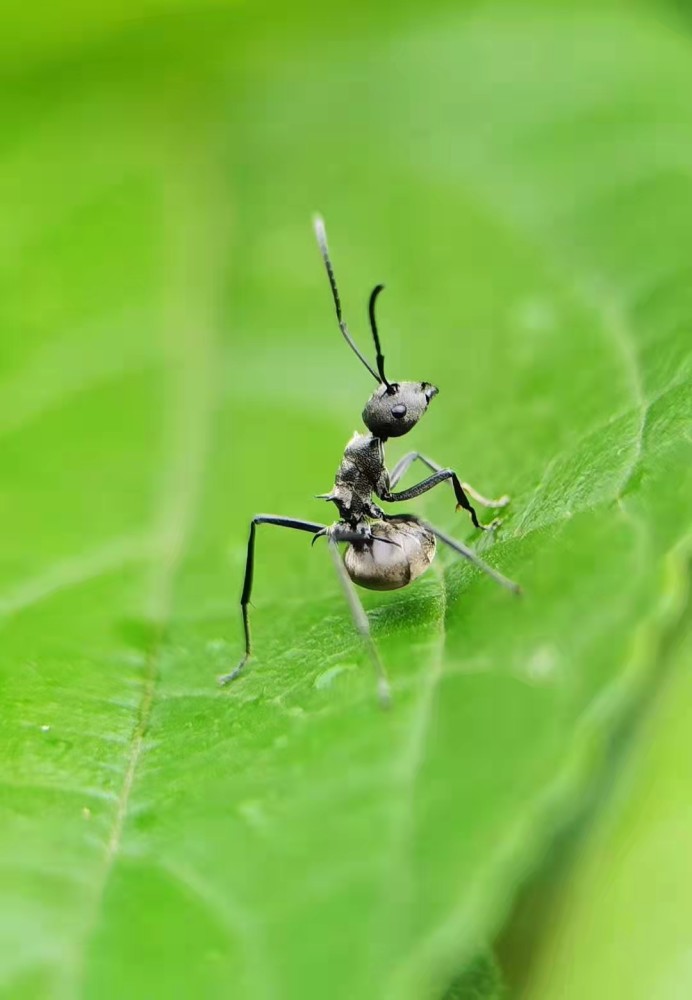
{"x":171,"y":366}
{"x":620,"y":926}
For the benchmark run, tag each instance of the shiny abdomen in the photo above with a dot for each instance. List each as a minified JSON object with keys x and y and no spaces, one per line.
{"x":400,"y":550}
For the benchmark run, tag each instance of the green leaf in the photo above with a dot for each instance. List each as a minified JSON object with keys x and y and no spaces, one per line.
{"x":171,"y":366}
{"x":620,"y":926}
{"x":481,"y":980}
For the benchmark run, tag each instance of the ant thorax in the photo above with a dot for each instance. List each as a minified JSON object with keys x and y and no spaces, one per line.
{"x":361,"y":473}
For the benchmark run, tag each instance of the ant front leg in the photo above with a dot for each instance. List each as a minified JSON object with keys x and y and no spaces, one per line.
{"x":428,"y":484}
{"x":440,"y":475}
{"x":404,"y":464}
{"x":282,"y":522}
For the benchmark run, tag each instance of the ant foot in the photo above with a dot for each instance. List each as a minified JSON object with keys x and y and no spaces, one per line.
{"x":493,"y":526}
{"x":384,"y":693}
{"x":227,"y":678}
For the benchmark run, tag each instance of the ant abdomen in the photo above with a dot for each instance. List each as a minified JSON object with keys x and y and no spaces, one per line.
{"x":397,"y":551}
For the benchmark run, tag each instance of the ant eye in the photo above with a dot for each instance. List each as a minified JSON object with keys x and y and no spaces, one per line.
{"x":399,"y":411}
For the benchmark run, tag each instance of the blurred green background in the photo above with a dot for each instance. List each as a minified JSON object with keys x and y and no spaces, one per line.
{"x":520,"y":176}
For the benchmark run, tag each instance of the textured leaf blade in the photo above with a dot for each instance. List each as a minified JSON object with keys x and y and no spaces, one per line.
{"x":285,"y":836}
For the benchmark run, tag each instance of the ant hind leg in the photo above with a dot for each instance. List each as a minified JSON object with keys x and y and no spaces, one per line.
{"x":468,"y":553}
{"x":360,"y":620}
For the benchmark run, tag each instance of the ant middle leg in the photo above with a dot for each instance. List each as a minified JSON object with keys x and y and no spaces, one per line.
{"x":403,"y":465}
{"x":282,"y":522}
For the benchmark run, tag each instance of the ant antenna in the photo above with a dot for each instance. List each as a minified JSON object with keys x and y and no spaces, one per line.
{"x":321,"y":234}
{"x":375,"y":336}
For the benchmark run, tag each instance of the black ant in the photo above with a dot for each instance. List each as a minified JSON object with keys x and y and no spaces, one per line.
{"x":384,"y":552}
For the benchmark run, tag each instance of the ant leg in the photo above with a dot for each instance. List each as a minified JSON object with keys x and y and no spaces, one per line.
{"x":360,"y":620}
{"x":427,"y":484}
{"x":494,"y":504}
{"x":403,"y":465}
{"x":283,"y":522}
{"x":468,"y":553}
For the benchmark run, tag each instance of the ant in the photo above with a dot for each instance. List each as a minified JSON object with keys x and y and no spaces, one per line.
{"x":384,"y":551}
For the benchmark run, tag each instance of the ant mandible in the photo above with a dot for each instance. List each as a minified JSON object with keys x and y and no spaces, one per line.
{"x":383,"y":551}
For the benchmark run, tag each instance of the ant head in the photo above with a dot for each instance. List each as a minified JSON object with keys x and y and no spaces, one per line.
{"x":395,"y":407}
